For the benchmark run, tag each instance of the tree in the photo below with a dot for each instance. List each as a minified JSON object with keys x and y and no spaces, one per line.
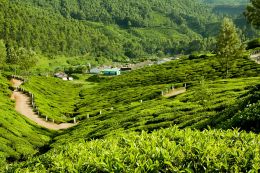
{"x":253,"y":13}
{"x":3,"y":54}
{"x":229,"y":45}
{"x":69,"y":71}
{"x":21,"y":58}
{"x":26,"y":58}
{"x":12,"y":57}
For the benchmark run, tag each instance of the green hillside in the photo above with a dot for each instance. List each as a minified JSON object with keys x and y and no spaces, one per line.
{"x":119,"y":98}
{"x":244,"y":114}
{"x":108,"y":29}
{"x":48,"y":32}
{"x":208,"y":101}
{"x":125,"y":121}
{"x":143,"y":13}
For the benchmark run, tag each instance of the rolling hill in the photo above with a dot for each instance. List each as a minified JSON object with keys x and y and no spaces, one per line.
{"x":130,"y":135}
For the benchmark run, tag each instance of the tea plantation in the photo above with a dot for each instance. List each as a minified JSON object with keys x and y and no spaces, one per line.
{"x":126,"y":125}
{"x":167,"y":150}
{"x":55,"y":98}
{"x":186,"y":110}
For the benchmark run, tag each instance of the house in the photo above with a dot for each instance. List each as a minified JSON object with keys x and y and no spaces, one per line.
{"x":111,"y":72}
{"x":70,"y":79}
{"x":125,"y":69}
{"x":94,"y":71}
{"x":63,"y":76}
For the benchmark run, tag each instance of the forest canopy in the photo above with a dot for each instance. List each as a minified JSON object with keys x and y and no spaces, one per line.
{"x":114,"y":30}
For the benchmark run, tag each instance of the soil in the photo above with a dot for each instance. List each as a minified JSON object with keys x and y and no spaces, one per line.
{"x":256,"y":58}
{"x":175,"y":92}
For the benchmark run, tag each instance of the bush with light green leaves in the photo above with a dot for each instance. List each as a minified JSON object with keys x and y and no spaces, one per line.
{"x":167,"y":150}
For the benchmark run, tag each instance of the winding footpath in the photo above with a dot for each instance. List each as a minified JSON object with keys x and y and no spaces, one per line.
{"x":22,"y":105}
{"x":256,"y":58}
{"x":175,"y":92}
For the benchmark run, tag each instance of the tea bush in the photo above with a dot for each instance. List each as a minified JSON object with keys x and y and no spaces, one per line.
{"x":54,"y":98}
{"x":166,"y":150}
{"x":129,"y":114}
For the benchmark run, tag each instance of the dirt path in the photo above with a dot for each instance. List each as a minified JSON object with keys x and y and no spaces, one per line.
{"x":256,"y":58}
{"x":175,"y":92}
{"x":23,"y":106}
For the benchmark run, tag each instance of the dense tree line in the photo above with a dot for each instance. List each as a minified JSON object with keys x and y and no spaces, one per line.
{"x":140,"y":13}
{"x":19,"y":58}
{"x":48,"y":32}
{"x":108,"y":29}
{"x":45,"y":31}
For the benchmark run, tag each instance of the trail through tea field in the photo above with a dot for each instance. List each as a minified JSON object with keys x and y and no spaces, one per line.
{"x":175,"y":92}
{"x":22,"y":105}
{"x":256,"y":58}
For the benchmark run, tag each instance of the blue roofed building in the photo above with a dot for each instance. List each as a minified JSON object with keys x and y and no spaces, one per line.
{"x":111,"y":72}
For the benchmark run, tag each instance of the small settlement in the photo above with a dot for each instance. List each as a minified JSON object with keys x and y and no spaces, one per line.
{"x":115,"y":71}
{"x":106,"y":71}
{"x":111,"y":71}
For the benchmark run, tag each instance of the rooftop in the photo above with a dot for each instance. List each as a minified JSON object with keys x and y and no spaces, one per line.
{"x":112,"y":69}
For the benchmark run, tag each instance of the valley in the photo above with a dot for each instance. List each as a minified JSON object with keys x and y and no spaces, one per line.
{"x":129,"y":86}
{"x":112,"y":108}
